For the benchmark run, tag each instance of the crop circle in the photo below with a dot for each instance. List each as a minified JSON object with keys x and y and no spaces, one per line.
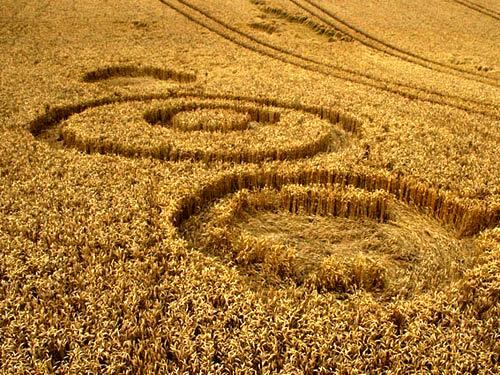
{"x":329,"y":238}
{"x":200,"y":130}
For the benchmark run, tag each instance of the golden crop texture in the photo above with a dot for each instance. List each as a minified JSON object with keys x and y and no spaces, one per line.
{"x":263,"y":186}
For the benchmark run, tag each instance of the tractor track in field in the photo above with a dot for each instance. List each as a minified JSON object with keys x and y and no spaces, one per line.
{"x":380,"y":45}
{"x":252,"y":43}
{"x":479,"y":8}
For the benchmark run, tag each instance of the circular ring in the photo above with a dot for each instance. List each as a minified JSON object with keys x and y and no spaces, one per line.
{"x":244,"y":132}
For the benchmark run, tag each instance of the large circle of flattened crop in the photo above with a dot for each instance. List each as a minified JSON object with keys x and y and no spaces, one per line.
{"x":197,"y":129}
{"x":330,"y":238}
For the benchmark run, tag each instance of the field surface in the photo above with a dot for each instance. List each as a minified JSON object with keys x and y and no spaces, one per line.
{"x":249,"y":186}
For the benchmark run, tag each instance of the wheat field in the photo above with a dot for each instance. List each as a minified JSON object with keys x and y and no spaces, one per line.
{"x":249,"y":187}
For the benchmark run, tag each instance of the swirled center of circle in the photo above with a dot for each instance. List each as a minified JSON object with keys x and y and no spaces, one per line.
{"x":332,"y":240}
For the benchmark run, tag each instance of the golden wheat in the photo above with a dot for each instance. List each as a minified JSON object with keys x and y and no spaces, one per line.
{"x":377,"y":253}
{"x":137,"y":71}
{"x":217,"y":234}
{"x":154,"y":130}
{"x":247,"y":229}
{"x":211,"y":120}
{"x":332,"y":34}
{"x":467,"y":216}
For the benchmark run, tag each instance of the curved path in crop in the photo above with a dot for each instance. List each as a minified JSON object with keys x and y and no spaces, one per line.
{"x":132,"y":71}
